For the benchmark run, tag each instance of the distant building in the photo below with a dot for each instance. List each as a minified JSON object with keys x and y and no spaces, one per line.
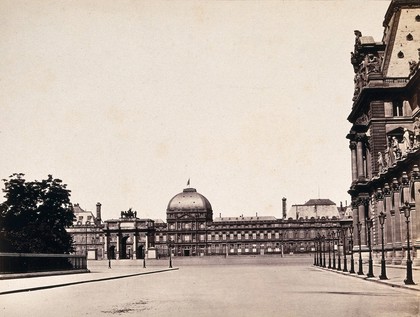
{"x":385,"y":134}
{"x":129,"y":237}
{"x":314,"y":208}
{"x":87,"y":233}
{"x":191,"y":230}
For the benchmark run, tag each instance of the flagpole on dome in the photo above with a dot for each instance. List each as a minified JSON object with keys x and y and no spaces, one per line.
{"x":188,"y":183}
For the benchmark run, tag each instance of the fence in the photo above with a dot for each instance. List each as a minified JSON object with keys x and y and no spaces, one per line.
{"x":40,"y":262}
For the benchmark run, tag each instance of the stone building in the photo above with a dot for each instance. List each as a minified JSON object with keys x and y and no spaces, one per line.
{"x":129,"y":237}
{"x":314,"y":208}
{"x":191,"y":230}
{"x":385,"y":133}
{"x":87,"y":232}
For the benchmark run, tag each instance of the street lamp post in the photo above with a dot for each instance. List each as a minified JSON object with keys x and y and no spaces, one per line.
{"x":170,"y":244}
{"x":409,"y":277}
{"x":144,"y":257}
{"x":359,"y":230}
{"x":344,"y":249}
{"x":314,"y":252}
{"x":345,"y":223}
{"x":351,"y":250}
{"x":369,"y":225}
{"x":329,"y":249}
{"x":333,"y":243}
{"x":320,"y":251}
{"x":338,"y":249}
{"x":382,"y":218}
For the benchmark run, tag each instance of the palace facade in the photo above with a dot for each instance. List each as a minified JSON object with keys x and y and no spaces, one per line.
{"x":385,"y":135}
{"x":191,"y":230}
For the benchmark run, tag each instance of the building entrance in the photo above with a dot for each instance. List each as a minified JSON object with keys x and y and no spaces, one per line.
{"x":186,"y":252}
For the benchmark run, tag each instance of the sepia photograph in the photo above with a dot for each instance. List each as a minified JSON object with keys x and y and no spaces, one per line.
{"x":210,"y":158}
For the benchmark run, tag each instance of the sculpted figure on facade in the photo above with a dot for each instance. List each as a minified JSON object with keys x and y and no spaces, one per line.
{"x":380,"y":162}
{"x":406,"y":141}
{"x":373,"y":64}
{"x":386,"y":158}
{"x":417,"y":133}
{"x":396,"y":148}
{"x":391,"y":153}
{"x":129,"y":214}
{"x":413,"y":67}
{"x":358,"y":35}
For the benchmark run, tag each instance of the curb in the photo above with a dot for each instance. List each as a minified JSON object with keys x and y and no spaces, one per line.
{"x":40,"y":274}
{"x":29,"y":289}
{"x":382,"y":282}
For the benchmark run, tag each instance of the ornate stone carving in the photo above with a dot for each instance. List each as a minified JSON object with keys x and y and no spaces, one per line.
{"x":380,"y":162}
{"x":373,"y":64}
{"x":415,"y":174}
{"x":387,"y":190}
{"x":128,"y":214}
{"x":379,"y":195}
{"x":395,"y":185}
{"x":362,"y":120}
{"x":406,"y":141}
{"x":417,"y":133}
{"x":404,"y":179}
{"x":396,"y":148}
{"x":413,"y":65}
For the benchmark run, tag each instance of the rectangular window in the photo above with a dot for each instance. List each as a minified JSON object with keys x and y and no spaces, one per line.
{"x":261,"y":235}
{"x":254,"y":236}
{"x":157,"y":238}
{"x":269,"y":235}
{"x":209,"y":237}
{"x":239,"y":236}
{"x":276,"y":235}
{"x":231,"y":236}
{"x":246,"y":236}
{"x":224,"y":236}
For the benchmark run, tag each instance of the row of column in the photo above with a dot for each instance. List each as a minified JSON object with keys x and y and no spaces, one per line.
{"x":360,"y":157}
{"x":118,"y":245}
{"x":391,"y":199}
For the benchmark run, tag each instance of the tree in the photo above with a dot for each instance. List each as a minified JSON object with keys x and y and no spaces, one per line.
{"x":34,"y":216}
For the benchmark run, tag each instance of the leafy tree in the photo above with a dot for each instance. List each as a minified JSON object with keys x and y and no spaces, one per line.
{"x":34,"y":216}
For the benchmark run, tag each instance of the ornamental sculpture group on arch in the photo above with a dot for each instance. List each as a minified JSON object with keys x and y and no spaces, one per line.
{"x":396,"y":151}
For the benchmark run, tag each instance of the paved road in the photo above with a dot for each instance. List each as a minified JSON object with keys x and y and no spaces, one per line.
{"x":238,"y":289}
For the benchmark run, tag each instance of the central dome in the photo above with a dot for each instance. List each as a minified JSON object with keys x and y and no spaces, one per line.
{"x":189,"y":200}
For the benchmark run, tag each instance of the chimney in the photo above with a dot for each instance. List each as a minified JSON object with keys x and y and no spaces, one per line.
{"x":98,"y":212}
{"x":284,"y":208}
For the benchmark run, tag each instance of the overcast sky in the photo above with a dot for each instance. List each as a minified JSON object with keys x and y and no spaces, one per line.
{"x":126,"y":100}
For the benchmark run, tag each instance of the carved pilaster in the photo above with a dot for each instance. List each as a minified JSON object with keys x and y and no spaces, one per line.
{"x":396,"y":207}
{"x":359,"y":155}
{"x":353,"y":160}
{"x":389,"y":224}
